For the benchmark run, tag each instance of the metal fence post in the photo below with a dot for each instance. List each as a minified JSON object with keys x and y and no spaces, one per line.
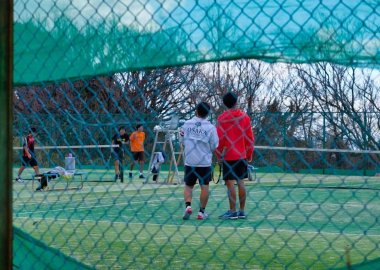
{"x":6,"y":62}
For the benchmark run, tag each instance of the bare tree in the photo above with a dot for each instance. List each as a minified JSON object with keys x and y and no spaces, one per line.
{"x":347,"y":99}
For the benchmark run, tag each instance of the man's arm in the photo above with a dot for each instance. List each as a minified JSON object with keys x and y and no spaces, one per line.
{"x":249,"y":139}
{"x":221,"y":145}
{"x":132,"y":137}
{"x":214,"y":139}
{"x":126,"y":137}
{"x":113,"y":143}
{"x":26,"y":148}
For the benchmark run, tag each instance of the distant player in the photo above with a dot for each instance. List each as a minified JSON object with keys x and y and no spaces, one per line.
{"x":28,"y":155}
{"x":137,"y":139}
{"x":120,"y":139}
{"x":200,"y":139}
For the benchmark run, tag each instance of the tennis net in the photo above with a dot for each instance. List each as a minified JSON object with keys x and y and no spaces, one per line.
{"x":317,"y":168}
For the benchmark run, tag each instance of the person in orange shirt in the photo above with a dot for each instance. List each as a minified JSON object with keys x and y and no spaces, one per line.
{"x":137,"y":139}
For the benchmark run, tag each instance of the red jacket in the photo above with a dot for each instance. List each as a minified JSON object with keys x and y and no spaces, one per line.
{"x":235,"y":135}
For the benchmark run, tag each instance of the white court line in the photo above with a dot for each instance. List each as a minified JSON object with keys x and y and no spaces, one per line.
{"x":169,"y":198}
{"x":213,"y":228}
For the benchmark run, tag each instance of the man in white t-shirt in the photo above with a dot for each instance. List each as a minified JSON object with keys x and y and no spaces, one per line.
{"x":200,"y":139}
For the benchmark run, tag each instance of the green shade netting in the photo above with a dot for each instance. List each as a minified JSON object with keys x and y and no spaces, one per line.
{"x":61,"y":39}
{"x":368,"y":265}
{"x":30,"y":253}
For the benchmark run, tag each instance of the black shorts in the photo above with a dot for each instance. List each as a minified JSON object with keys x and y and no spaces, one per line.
{"x":235,"y":169}
{"x":118,"y":155}
{"x":138,"y":156}
{"x":29,"y":161}
{"x":203,"y":174}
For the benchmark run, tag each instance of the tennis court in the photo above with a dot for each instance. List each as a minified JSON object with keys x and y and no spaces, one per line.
{"x":295,"y":221}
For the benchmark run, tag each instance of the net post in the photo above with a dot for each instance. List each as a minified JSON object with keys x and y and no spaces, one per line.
{"x":6,"y":119}
{"x":348,"y":258}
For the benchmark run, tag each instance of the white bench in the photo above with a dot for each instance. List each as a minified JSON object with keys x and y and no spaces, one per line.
{"x":57,"y":176}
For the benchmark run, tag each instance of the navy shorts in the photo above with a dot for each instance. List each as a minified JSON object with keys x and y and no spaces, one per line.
{"x":29,"y":161}
{"x":235,"y":169}
{"x":202,"y":174}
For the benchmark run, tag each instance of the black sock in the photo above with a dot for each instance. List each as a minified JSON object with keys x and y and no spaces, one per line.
{"x":188,"y":204}
{"x":202,"y":210}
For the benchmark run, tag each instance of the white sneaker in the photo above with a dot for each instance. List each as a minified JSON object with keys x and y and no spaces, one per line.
{"x":202,"y":216}
{"x":19,"y":179}
{"x":188,"y":212}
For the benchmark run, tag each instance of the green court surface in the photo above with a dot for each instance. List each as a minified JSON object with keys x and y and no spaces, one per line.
{"x":294,"y":222}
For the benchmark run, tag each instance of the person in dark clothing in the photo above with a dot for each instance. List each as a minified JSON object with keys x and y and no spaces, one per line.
{"x":119,"y":139}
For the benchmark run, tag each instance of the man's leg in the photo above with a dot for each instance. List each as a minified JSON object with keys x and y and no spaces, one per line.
{"x":188,"y":195}
{"x":22,"y":168}
{"x":242,"y":194}
{"x":141,"y":168}
{"x":133,"y":161}
{"x":190,"y":180}
{"x":121,"y":170}
{"x":203,"y":198}
{"x":36,"y":169}
{"x":231,"y":194}
{"x":18,"y":177}
{"x":132,"y":166}
{"x":117,"y":167}
{"x":230,"y":214}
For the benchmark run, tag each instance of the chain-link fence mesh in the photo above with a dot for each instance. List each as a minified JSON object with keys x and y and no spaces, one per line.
{"x":83,"y":69}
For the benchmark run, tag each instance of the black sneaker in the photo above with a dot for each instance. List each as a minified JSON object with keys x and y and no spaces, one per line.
{"x":116,"y":177}
{"x":130,"y":175}
{"x":142,"y":176}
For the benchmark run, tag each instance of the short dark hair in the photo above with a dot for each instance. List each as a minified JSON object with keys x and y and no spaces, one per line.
{"x":121,"y":127}
{"x":203,"y":109}
{"x":230,"y":99}
{"x":138,"y":126}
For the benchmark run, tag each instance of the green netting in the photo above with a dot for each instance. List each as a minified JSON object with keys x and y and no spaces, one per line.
{"x":374,"y":264}
{"x":64,"y":39}
{"x":29,"y":253}
{"x":85,"y":68}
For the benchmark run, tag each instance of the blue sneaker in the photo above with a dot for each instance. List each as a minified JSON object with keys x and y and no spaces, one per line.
{"x":229,"y":215}
{"x":241,"y":215}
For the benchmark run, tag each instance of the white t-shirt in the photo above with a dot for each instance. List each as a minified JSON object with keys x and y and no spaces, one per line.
{"x":200,"y":140}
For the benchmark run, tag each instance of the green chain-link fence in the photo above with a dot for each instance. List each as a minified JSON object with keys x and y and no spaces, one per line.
{"x":82,"y":69}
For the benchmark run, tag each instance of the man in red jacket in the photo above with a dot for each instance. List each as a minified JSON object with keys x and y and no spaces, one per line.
{"x":235,"y":150}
